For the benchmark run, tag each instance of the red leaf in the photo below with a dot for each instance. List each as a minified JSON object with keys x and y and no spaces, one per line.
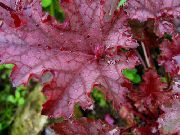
{"x":76,"y":53}
{"x":84,"y":126}
{"x":163,"y":11}
{"x":151,"y":94}
{"x":170,"y":55}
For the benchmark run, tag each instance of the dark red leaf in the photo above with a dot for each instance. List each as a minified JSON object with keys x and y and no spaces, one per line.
{"x":170,"y":55}
{"x":151,"y":95}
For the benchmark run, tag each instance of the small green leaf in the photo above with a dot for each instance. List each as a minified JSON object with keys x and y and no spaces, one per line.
{"x":54,"y":9}
{"x":124,"y":50}
{"x":164,"y":79}
{"x":121,"y":3}
{"x":46,"y":3}
{"x":102,"y":103}
{"x":132,"y":75}
{"x":17,"y":95}
{"x":137,"y":79}
{"x":21,"y":101}
{"x":77,"y":111}
{"x":11,"y":99}
{"x":99,"y":97}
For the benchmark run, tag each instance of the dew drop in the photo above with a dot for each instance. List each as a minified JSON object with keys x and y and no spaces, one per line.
{"x":46,"y":18}
{"x":154,"y":130}
{"x":1,"y":23}
{"x":75,"y":90}
{"x":69,"y":103}
{"x":111,"y":62}
{"x":48,"y":47}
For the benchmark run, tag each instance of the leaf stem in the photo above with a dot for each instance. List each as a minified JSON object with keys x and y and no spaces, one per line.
{"x":6,"y":7}
{"x":145,"y":55}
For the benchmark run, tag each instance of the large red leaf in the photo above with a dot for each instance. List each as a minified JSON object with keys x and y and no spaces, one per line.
{"x":73,"y":56}
{"x":163,"y":11}
{"x":84,"y":126}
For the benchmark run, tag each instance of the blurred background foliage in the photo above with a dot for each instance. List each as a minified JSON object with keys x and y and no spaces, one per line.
{"x":20,"y":108}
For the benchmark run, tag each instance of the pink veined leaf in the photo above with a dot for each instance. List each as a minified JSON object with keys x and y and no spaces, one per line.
{"x":170,"y":56}
{"x":71,"y":57}
{"x":163,"y":11}
{"x":84,"y":126}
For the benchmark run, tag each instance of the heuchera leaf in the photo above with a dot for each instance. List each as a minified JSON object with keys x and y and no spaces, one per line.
{"x":170,"y":56}
{"x":84,"y":126}
{"x":151,"y":94}
{"x":162,"y":11}
{"x":77,"y":54}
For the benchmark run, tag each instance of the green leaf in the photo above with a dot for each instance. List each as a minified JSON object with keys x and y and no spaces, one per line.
{"x":124,"y":50}
{"x":77,"y":111}
{"x":132,"y":75}
{"x":17,"y":95}
{"x":46,"y":3}
{"x":164,"y":79}
{"x":121,"y":3}
{"x":21,"y":101}
{"x":54,"y":9}
{"x":102,"y":103}
{"x":11,"y":99}
{"x":99,"y":97}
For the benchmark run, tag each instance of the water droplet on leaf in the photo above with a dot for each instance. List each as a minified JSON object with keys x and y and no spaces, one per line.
{"x":75,"y":90}
{"x":48,"y":47}
{"x":1,"y":23}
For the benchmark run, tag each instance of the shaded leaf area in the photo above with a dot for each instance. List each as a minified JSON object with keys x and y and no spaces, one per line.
{"x":84,"y":126}
{"x":162,"y":12}
{"x":17,"y":105}
{"x":170,"y":56}
{"x":101,"y":109}
{"x":155,"y":48}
